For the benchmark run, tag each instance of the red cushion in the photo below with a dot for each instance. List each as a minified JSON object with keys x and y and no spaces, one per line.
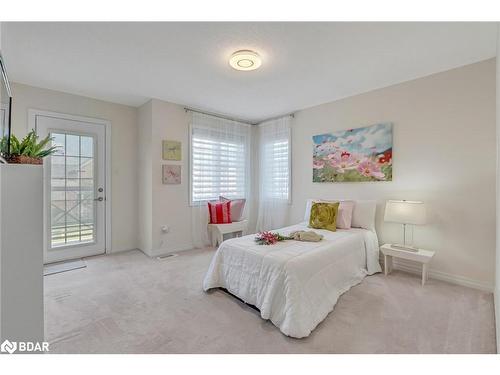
{"x":220,"y":212}
{"x":237,"y":207}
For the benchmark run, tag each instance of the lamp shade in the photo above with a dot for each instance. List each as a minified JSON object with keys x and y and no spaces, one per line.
{"x":405,"y":212}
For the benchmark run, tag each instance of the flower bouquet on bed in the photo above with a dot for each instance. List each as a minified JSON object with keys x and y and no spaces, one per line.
{"x":269,"y":238}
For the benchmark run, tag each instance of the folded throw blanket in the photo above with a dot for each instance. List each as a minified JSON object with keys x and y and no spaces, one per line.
{"x":307,"y":236}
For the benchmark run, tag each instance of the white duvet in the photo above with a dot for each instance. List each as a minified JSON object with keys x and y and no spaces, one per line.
{"x":294,"y":284}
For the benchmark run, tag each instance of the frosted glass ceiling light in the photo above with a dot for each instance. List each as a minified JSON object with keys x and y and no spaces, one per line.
{"x":245,"y":60}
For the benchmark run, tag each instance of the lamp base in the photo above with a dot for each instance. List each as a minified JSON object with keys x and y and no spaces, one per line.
{"x":405,"y":248}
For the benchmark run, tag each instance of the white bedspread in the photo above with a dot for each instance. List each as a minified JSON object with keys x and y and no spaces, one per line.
{"x":294,"y":284}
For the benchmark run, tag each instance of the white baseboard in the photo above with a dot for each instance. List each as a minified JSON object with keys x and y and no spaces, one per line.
{"x":416,"y":268}
{"x":174,"y":249}
{"x":120,"y":251}
{"x":497,"y":316}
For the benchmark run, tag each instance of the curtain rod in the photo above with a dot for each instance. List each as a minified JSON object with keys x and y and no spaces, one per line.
{"x":217,"y":115}
{"x":187,"y":109}
{"x":292,"y":115}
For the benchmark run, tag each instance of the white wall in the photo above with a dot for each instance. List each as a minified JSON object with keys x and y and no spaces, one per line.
{"x":145,"y":188}
{"x":123,"y":149}
{"x":0,"y":234}
{"x":444,"y":154}
{"x":497,"y":275}
{"x":163,"y":204}
{"x":170,"y":202}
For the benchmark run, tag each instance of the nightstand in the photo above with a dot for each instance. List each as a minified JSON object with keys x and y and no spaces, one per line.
{"x":421,"y":256}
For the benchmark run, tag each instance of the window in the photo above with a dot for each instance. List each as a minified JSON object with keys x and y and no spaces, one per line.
{"x":72,"y":181}
{"x":275,"y":160}
{"x":274,"y":173}
{"x":219,"y":158}
{"x":277,"y":169}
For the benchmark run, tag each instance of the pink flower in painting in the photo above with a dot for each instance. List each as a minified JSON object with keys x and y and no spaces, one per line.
{"x":357,"y":159}
{"x":350,"y":159}
{"x":342,"y":161}
{"x":318,"y":164}
{"x":370,"y":169}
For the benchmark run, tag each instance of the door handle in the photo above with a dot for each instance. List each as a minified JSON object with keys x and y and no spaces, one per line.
{"x":99,"y":199}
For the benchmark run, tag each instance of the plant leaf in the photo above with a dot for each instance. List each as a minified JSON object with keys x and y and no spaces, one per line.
{"x":29,"y":146}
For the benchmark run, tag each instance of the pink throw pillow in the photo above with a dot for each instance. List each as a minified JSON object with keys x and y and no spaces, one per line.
{"x":220,"y":212}
{"x":344,"y":216}
{"x":237,"y":207}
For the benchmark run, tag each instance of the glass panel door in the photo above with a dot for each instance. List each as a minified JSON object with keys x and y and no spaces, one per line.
{"x":75,"y":189}
{"x":72,"y":208}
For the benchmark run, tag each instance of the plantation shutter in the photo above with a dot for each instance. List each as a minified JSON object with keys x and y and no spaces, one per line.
{"x":219,"y":158}
{"x":277,"y":168}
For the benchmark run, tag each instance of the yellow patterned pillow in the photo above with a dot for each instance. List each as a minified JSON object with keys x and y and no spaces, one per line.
{"x":324,"y":216}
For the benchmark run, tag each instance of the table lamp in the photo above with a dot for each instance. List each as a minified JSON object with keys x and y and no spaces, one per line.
{"x":405,"y":212}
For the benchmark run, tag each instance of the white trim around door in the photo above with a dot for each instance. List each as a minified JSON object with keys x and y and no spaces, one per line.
{"x":33,"y":113}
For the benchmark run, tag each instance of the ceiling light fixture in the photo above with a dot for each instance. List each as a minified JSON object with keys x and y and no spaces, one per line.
{"x":245,"y":60}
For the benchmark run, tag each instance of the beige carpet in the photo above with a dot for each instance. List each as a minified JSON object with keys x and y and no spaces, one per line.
{"x":129,"y":303}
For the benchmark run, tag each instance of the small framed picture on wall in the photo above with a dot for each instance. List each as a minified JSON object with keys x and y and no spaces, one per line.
{"x":171,"y":174}
{"x":172,"y":150}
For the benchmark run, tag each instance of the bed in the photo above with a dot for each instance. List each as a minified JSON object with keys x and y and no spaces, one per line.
{"x":295,"y":284}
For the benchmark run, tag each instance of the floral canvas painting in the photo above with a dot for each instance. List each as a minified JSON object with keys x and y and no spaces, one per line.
{"x":354,"y":155}
{"x":171,"y":174}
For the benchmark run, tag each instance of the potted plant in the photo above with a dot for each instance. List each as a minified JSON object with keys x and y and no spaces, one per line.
{"x":27,"y":151}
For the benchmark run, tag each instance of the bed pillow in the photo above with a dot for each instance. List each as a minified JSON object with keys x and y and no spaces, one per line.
{"x":220,"y":212}
{"x":363,"y":215}
{"x":344,"y":215}
{"x":324,"y":216}
{"x":237,"y":207}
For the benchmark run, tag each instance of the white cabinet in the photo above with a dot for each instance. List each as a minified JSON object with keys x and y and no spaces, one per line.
{"x":21,"y":252}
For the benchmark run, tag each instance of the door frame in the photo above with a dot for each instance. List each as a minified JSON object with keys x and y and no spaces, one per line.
{"x":31,"y":124}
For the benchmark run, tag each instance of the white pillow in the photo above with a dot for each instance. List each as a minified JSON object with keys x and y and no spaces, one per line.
{"x":344,"y":216}
{"x":363,"y":214}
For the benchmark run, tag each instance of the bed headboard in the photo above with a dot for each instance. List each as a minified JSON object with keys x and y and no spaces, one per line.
{"x":363,"y":215}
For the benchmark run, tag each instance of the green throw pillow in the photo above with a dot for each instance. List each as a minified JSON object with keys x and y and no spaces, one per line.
{"x":324,"y":216}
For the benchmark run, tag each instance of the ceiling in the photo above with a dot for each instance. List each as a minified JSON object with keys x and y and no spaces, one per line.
{"x":304,"y":64}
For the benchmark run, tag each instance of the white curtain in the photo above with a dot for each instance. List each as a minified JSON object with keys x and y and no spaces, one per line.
{"x":274,"y":173}
{"x":219,"y":165}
